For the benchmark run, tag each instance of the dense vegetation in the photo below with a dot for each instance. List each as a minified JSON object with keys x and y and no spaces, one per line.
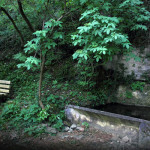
{"x":53,"y":53}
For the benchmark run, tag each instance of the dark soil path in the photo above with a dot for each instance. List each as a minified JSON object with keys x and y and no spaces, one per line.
{"x":90,"y":139}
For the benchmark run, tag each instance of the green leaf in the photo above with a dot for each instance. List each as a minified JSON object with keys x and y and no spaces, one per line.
{"x":75,"y":56}
{"x":126,"y":45}
{"x":85,"y":57}
{"x":98,"y":57}
{"x":41,"y":33}
{"x":83,"y":1}
{"x":20,"y":57}
{"x":104,"y":52}
{"x":27,"y":49}
{"x":107,"y":6}
{"x":20,"y":65}
{"x":58,"y":35}
{"x":139,"y":26}
{"x":48,"y":24}
{"x":2,"y":2}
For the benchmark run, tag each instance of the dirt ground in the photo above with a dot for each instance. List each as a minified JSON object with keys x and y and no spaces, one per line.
{"x":91,"y":139}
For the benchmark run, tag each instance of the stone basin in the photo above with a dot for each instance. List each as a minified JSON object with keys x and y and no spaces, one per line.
{"x":137,"y":130}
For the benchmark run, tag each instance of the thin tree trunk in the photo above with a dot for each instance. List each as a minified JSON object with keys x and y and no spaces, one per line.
{"x":43,"y":58}
{"x":24,"y":16}
{"x":64,"y":5}
{"x":14,"y":24}
{"x":41,"y":78}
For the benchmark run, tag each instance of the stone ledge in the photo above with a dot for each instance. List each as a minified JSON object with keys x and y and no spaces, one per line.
{"x":111,"y":123}
{"x":108,"y":114}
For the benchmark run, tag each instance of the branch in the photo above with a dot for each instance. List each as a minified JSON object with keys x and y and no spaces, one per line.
{"x":24,"y":16}
{"x":63,"y":15}
{"x":14,"y":24}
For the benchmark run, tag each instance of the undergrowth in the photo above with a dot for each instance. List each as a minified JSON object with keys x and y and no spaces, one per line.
{"x":21,"y":110}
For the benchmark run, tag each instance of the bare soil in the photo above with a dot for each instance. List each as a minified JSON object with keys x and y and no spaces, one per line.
{"x":90,"y":139}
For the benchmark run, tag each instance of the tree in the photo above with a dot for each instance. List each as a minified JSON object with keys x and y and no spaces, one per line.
{"x":106,"y":27}
{"x":103,"y":29}
{"x":24,"y":16}
{"x":44,"y":41}
{"x":14,"y":24}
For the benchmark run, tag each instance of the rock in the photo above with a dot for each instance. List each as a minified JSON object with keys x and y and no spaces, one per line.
{"x":73,"y":126}
{"x":78,"y":137}
{"x":115,"y":137}
{"x":125,"y":139}
{"x":44,"y":125}
{"x":64,"y":136}
{"x":66,"y":129}
{"x":67,"y":123}
{"x":137,"y":94}
{"x":70,"y":130}
{"x":41,"y":126}
{"x":80,"y":129}
{"x":51,"y":130}
{"x":71,"y":114}
{"x":13,"y":135}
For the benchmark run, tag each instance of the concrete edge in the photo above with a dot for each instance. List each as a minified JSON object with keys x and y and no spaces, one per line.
{"x":109,"y":114}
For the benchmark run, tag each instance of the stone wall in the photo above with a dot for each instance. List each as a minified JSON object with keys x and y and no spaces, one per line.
{"x":141,"y":98}
{"x":139,"y":68}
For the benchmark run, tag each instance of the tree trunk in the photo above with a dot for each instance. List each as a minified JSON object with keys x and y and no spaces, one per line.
{"x":14,"y":24}
{"x":64,"y":5}
{"x":40,"y":81}
{"x":24,"y":16}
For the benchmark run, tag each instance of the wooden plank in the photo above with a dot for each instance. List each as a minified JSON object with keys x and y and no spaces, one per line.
{"x":4,"y":86}
{"x":4,"y":82}
{"x":4,"y":91}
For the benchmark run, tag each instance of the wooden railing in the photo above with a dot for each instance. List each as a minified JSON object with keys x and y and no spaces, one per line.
{"x":4,"y":87}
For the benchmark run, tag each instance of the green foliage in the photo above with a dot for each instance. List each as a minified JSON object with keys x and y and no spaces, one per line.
{"x":85,"y":124}
{"x":97,"y":35}
{"x":57,"y":120}
{"x":58,"y":104}
{"x":86,"y":74}
{"x":104,"y":30}
{"x":34,"y":130}
{"x":23,"y":84}
{"x":102,"y":95}
{"x":65,"y":70}
{"x":17,"y":115}
{"x":29,"y":114}
{"x":137,"y":86}
{"x":128,"y":94}
{"x":45,"y":40}
{"x":23,"y":111}
{"x":43,"y":114}
{"x":10,"y":110}
{"x":104,"y":35}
